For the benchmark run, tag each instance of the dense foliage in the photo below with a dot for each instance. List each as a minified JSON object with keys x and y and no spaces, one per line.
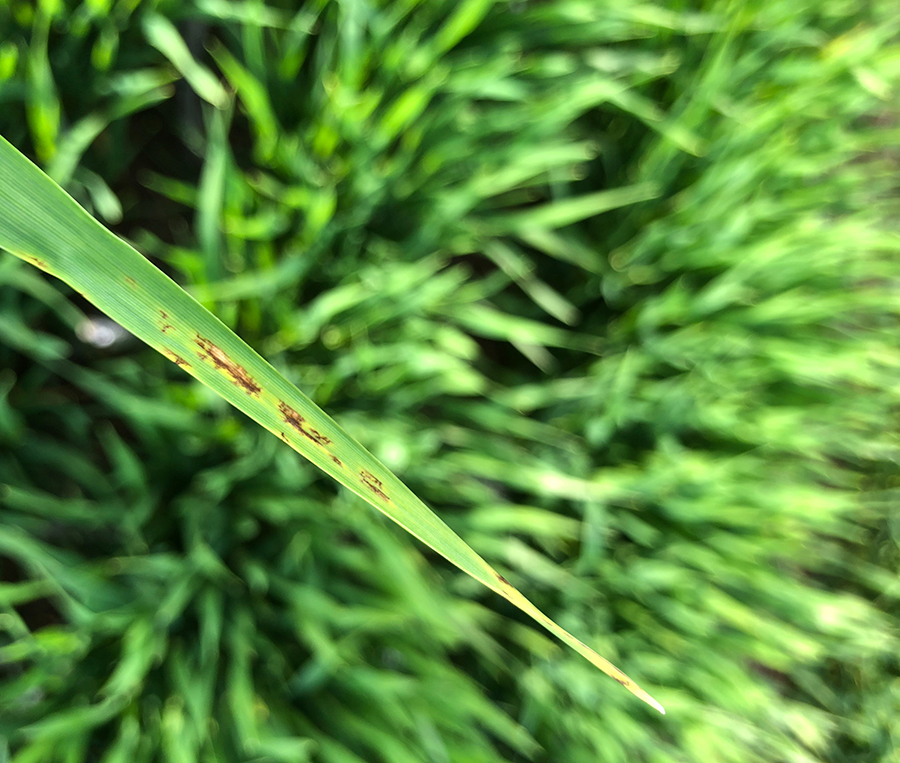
{"x":611,"y":286}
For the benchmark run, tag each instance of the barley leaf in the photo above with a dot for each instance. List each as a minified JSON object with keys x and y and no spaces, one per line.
{"x":40,"y":223}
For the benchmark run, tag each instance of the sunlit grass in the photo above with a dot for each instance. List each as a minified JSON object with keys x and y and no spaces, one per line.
{"x":671,"y":421}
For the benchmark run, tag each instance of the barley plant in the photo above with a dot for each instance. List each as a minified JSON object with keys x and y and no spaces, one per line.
{"x":610,"y":286}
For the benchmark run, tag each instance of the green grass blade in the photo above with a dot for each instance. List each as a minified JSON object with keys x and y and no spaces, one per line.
{"x":162,"y":35}
{"x":40,"y":223}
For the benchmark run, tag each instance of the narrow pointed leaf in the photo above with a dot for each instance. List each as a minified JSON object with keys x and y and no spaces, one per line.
{"x":40,"y":223}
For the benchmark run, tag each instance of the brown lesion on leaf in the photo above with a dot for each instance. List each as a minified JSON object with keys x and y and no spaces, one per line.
{"x":503,"y":580}
{"x":165,"y":326}
{"x":296,"y":421}
{"x":37,"y":262}
{"x":283,"y":436}
{"x":374,"y":484}
{"x":222,"y":362}
{"x":338,"y":461}
{"x":177,"y":359}
{"x":131,"y":282}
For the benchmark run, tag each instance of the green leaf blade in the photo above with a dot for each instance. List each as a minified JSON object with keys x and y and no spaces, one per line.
{"x":40,"y":223}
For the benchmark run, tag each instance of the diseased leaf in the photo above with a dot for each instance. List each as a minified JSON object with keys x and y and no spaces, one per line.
{"x":40,"y":223}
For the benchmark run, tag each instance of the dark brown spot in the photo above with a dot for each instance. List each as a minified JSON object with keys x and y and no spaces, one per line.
{"x":222,"y":362}
{"x":163,"y":314}
{"x":283,"y":436}
{"x":177,"y":359}
{"x":374,"y":484}
{"x":369,"y":477}
{"x":131,"y":282}
{"x":37,"y":261}
{"x":165,"y":327}
{"x":502,"y":579}
{"x":295,"y":420}
{"x":624,"y":683}
{"x":337,"y":461}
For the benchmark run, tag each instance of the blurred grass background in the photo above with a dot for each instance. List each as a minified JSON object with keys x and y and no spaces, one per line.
{"x":612,"y":286}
